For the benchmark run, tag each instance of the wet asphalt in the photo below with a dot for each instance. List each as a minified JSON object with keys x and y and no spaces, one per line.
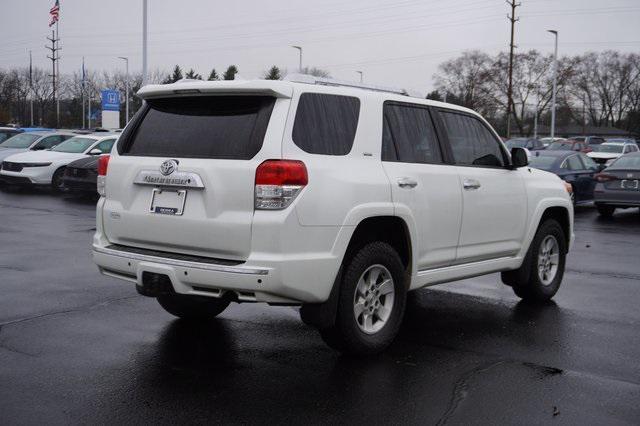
{"x":78,"y":347}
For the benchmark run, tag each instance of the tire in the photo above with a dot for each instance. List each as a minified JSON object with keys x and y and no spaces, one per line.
{"x":373,"y":283}
{"x":56,"y":181}
{"x":192,"y":307}
{"x":605,"y":210}
{"x":539,"y":277}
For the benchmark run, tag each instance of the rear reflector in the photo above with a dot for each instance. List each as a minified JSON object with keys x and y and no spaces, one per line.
{"x":278,"y":183}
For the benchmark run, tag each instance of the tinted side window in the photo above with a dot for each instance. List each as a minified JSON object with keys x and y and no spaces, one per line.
{"x":588,"y":162}
{"x":472,"y":143}
{"x":48,"y":142}
{"x":574,"y":163}
{"x":326,"y":124}
{"x":409,"y":135}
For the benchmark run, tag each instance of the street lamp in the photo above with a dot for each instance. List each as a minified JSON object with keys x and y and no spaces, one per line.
{"x":126,"y":85}
{"x":555,"y":78}
{"x":360,"y":72}
{"x":300,"y":60}
{"x":145,"y":27}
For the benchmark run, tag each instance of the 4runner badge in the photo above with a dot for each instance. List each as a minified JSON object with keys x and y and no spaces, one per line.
{"x":168,"y":167}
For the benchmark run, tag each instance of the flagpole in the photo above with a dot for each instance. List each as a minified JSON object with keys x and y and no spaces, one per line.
{"x":58,"y":74}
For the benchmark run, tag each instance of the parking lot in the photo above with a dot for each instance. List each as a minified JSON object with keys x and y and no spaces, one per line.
{"x":79,"y":347}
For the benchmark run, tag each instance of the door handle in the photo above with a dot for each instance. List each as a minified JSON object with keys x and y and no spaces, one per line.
{"x":407,"y":183}
{"x":470,"y":184}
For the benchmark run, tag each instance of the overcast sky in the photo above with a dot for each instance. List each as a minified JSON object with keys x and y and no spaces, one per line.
{"x":394,"y":42}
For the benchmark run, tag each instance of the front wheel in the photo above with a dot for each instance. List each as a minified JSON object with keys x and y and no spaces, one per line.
{"x":56,"y":181}
{"x":371,"y":302}
{"x":192,"y":307}
{"x":539,"y":277}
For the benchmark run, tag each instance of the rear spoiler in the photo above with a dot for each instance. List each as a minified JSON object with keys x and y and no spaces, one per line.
{"x":277,"y":89}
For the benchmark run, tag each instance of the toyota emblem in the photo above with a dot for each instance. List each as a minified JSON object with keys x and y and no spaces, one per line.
{"x":168,"y":167}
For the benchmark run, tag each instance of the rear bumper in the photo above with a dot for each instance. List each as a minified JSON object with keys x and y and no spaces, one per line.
{"x":626,"y":198}
{"x":271,"y":282}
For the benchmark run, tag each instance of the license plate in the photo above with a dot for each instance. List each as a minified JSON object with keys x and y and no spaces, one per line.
{"x":629,"y":184}
{"x":168,"y":202}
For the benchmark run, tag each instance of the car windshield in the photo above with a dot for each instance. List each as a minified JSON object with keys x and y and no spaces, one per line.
{"x":23,"y":140}
{"x":560,"y":146}
{"x":542,"y":162}
{"x":74,"y":145}
{"x":516,"y":143}
{"x":626,"y":162}
{"x":616,"y":149}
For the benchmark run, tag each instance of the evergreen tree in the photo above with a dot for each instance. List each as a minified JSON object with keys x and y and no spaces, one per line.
{"x":273,"y":74}
{"x":434,"y":96}
{"x":230,"y":73}
{"x":191,"y":74}
{"x":175,"y":76}
{"x":213,"y":75}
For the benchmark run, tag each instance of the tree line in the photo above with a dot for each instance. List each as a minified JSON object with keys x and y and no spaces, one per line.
{"x":594,"y":89}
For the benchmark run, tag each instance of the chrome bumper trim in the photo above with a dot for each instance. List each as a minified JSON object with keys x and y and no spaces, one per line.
{"x":181,"y":263}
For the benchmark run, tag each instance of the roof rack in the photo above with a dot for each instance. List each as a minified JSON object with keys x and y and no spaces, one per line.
{"x":322,"y":81}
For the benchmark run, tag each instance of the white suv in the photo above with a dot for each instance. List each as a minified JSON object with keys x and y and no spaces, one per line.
{"x":337,"y":197}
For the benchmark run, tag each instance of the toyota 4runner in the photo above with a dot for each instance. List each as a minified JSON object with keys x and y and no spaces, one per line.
{"x":336,"y":197}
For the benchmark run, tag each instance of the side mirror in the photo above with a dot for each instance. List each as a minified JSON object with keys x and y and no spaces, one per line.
{"x":519,"y":158}
{"x":95,"y":151}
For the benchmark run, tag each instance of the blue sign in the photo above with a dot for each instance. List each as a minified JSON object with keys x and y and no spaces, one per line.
{"x":110,"y":100}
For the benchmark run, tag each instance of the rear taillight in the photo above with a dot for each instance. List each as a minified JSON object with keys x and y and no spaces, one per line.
{"x":103,"y":164}
{"x":603,"y":177}
{"x":278,"y":183}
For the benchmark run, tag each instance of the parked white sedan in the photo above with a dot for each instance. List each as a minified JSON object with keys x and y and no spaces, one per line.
{"x":608,"y":152}
{"x":47,"y":167}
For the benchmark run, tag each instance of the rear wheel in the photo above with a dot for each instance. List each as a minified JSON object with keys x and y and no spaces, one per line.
{"x":605,"y":210}
{"x":539,"y":277}
{"x":371,"y":302}
{"x":56,"y":181}
{"x":192,"y":307}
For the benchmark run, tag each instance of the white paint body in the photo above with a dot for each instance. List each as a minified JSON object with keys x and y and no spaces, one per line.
{"x":293,"y":255}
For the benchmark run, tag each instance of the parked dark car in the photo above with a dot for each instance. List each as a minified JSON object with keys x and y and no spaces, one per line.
{"x":618,"y":186}
{"x":530,"y":143}
{"x":81,"y":176}
{"x":574,"y":168}
{"x":569,"y":145}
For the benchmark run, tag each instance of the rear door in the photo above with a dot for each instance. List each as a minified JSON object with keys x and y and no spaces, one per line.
{"x":182,"y":176}
{"x":413,"y":160}
{"x":494,"y":197}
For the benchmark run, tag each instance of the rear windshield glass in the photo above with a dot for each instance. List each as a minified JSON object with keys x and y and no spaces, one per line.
{"x":224,"y":127}
{"x":326,"y":124}
{"x":631,"y":162}
{"x":23,"y":140}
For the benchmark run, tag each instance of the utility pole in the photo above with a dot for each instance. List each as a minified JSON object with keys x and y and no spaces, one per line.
{"x":144,"y":40}
{"x":31,"y":87}
{"x":555,"y":84}
{"x":513,"y":20}
{"x":54,"y":69}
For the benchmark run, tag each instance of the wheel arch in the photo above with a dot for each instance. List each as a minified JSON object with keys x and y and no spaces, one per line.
{"x":563,"y":217}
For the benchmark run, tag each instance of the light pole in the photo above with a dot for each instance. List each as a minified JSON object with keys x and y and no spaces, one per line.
{"x":300,"y":59}
{"x":144,"y":40}
{"x":126,"y":85}
{"x":555,"y":78}
{"x":361,"y":73}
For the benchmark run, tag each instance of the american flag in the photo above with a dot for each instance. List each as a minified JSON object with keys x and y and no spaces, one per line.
{"x":55,"y":13}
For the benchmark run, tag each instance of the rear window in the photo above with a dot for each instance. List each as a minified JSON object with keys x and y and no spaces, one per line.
{"x":326,"y":124}
{"x":223,"y":127}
